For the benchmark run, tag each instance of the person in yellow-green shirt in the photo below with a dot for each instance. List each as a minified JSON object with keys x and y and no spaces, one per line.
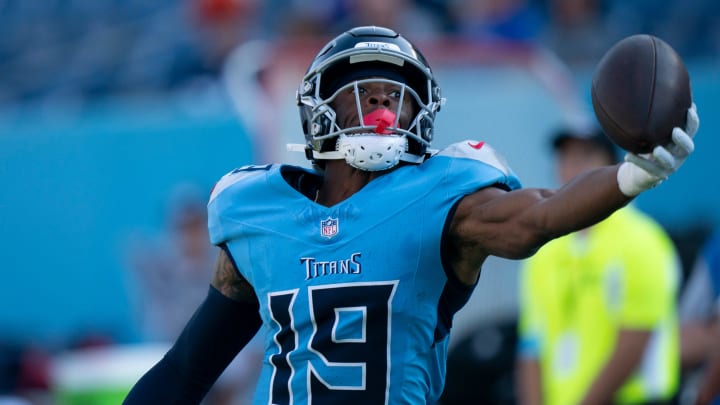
{"x":598,"y":321}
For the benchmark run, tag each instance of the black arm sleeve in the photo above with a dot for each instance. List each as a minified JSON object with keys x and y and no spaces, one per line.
{"x":218,"y":330}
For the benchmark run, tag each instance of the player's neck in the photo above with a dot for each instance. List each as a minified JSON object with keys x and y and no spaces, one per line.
{"x":342,"y":181}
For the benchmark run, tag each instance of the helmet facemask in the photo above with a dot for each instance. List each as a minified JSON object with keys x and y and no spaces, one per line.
{"x":378,"y":141}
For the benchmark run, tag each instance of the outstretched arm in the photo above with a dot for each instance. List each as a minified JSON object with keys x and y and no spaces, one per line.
{"x":222,"y":325}
{"x":515,"y":224}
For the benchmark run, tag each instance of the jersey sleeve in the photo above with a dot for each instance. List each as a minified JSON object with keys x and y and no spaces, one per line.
{"x":482,"y":152}
{"x":225,"y":199}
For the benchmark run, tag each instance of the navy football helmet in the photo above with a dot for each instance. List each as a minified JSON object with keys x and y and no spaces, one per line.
{"x":366,"y":54}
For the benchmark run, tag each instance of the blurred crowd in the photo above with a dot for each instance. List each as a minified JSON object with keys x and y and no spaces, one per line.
{"x":75,"y":50}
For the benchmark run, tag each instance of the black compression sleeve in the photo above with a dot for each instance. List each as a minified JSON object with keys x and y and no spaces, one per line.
{"x":218,"y":330}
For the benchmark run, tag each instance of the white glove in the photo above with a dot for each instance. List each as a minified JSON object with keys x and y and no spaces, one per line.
{"x":640,"y":172}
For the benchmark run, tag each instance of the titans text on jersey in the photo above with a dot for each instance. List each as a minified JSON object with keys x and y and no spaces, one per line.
{"x":319,"y":268}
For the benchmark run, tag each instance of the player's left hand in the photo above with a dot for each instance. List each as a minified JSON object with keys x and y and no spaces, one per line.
{"x":640,"y":172}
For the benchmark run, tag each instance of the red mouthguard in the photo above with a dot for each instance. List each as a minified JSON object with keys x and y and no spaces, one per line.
{"x":382,"y":118}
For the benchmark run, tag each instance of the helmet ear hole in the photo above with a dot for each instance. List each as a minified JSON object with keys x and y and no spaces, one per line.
{"x":323,"y":125}
{"x":328,"y":145}
{"x":306,"y":126}
{"x":426,"y":126}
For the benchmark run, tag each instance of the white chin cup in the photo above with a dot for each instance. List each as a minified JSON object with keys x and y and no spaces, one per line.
{"x":372,"y":152}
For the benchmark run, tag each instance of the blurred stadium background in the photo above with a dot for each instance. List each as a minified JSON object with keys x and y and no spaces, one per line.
{"x":107,"y":105}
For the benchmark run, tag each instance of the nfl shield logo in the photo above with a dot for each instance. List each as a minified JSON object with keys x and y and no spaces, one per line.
{"x":329,"y":227}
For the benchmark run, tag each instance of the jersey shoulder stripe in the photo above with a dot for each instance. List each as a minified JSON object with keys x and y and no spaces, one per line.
{"x":477,"y":150}
{"x":239,"y":174}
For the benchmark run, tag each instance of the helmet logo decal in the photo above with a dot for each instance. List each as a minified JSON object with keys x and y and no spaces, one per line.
{"x":379,"y":45}
{"x":329,"y":227}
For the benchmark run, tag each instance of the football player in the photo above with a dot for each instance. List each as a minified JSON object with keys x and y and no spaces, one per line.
{"x":355,"y":268}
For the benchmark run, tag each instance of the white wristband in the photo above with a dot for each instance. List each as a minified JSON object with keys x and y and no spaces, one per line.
{"x":633,"y":180}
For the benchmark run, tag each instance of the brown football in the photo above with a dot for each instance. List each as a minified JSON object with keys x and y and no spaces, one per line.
{"x":640,"y":91}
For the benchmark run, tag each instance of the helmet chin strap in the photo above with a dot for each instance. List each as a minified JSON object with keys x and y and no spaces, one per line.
{"x":334,"y":155}
{"x":376,"y":151}
{"x":371,"y":152}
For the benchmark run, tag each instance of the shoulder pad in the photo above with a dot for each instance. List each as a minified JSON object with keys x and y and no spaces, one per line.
{"x":477,"y":150}
{"x":235,"y":176}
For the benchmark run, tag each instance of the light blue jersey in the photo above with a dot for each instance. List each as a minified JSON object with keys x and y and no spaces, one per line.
{"x":355,"y":301}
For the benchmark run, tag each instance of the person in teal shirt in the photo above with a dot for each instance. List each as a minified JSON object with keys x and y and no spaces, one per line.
{"x":598,"y":317}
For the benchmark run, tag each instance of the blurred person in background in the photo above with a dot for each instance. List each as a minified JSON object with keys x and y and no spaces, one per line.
{"x":517,"y":21}
{"x":577,"y":31}
{"x":598,"y":320}
{"x":223,"y":24}
{"x":171,"y":270}
{"x":24,"y":374}
{"x":699,"y":312}
{"x":310,"y":18}
{"x":405,"y":16}
{"x":171,"y":274}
